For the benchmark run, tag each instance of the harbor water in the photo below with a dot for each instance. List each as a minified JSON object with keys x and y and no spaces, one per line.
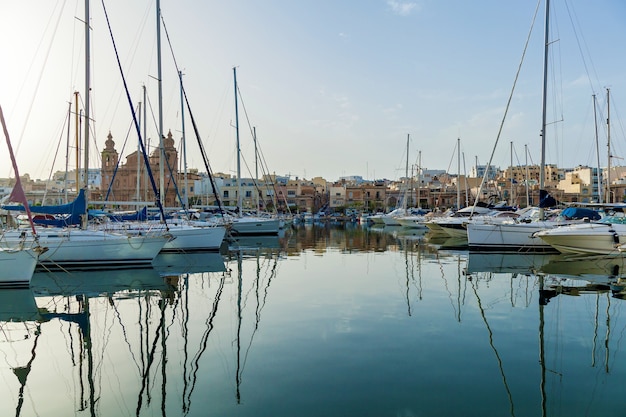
{"x":322,"y":320}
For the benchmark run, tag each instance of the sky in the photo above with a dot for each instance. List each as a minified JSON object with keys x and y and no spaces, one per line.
{"x":332,"y":88}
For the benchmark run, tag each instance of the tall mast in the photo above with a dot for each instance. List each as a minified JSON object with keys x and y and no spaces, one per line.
{"x":145,"y":132}
{"x":465,"y":178}
{"x":87,"y":111}
{"x":239,"y":197}
{"x":182,"y":118}
{"x":256,"y":169}
{"x":511,"y":174}
{"x":542,"y":167}
{"x":67,"y":148}
{"x":138,"y":182}
{"x":160,"y":84}
{"x":419,"y":177}
{"x":609,"y":198}
{"x":527,"y":193}
{"x":406,"y":172}
{"x":598,"y":174}
{"x":458,"y":170}
{"x":76,"y":141}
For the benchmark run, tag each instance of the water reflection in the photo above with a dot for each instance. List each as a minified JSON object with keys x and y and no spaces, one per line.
{"x":351,"y":320}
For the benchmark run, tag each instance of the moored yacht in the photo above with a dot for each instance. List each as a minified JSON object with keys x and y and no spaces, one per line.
{"x":17,"y":266}
{"x":454,"y":224}
{"x":522,"y":234}
{"x":188,"y":236}
{"x":255,"y":225}
{"x":604,"y":237}
{"x":80,"y":248}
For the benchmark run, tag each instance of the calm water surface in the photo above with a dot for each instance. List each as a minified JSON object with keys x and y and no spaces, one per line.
{"x":325,"y":321}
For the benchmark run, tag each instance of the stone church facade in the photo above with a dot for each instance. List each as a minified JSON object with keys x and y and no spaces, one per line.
{"x":120,"y":182}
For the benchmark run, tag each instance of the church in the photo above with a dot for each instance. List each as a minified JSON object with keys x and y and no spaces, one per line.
{"x":131,"y":182}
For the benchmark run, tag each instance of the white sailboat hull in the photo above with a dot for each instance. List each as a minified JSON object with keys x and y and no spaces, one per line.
{"x":17,"y":267}
{"x":191,"y":238}
{"x":507,"y":236}
{"x":255,"y":226}
{"x":77,"y":248}
{"x":187,"y":237}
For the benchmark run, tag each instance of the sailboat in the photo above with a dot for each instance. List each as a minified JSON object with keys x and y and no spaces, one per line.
{"x":518,"y":234}
{"x":82,"y":247}
{"x":607,"y":236}
{"x":187,"y":235}
{"x":395,"y":217}
{"x":248,"y":224}
{"x":18,"y":264}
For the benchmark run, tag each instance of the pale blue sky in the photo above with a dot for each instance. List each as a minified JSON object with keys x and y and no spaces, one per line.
{"x":333,"y":87}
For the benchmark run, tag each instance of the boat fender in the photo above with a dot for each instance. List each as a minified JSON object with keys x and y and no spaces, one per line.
{"x":615,"y":236}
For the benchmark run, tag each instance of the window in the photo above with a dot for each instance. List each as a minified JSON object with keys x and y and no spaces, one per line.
{"x":226,"y":194}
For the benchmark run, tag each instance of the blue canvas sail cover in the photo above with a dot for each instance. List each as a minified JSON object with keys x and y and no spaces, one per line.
{"x":65,"y":214}
{"x":580,"y":213}
{"x":546,"y":200}
{"x":139,"y":215}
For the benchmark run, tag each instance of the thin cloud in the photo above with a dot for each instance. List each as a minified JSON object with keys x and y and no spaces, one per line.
{"x":402,"y":8}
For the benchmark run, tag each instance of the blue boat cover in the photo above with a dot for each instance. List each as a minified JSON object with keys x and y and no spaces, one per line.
{"x":580,"y":213}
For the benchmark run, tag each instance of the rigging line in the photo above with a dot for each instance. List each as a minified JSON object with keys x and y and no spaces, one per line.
{"x":56,"y":153}
{"x":117,"y":166}
{"x":28,"y":368}
{"x":508,"y":103}
{"x":452,"y":156}
{"x":118,"y":315}
{"x":265,"y":169}
{"x":203,"y":341}
{"x":407,"y":269}
{"x":92,"y":130}
{"x":43,"y":67}
{"x":172,"y":181}
{"x":195,"y":127}
{"x":256,"y":185}
{"x":151,"y":359}
{"x":185,"y":335}
{"x":260,"y":305}
{"x":204,"y":155}
{"x":493,"y":347}
{"x":574,"y":19}
{"x":156,"y":191}
{"x":154,"y":120}
{"x":608,"y":334}
{"x":443,"y":277}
